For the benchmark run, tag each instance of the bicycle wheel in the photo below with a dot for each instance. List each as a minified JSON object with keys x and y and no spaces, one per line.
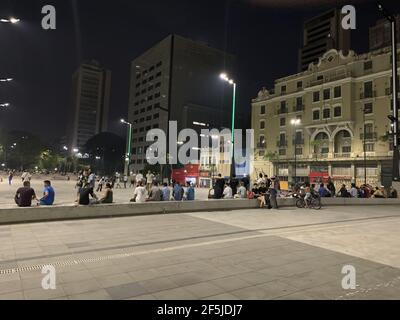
{"x":316,"y":204}
{"x":300,"y":203}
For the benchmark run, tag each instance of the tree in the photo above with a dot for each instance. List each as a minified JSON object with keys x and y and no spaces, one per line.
{"x":23,"y":150}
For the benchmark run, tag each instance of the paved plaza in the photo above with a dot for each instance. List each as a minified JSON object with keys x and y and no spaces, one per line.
{"x":66,"y":192}
{"x":252,"y":254}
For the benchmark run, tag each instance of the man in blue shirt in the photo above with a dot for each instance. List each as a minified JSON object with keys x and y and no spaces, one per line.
{"x":48,"y":194}
{"x":189,"y":192}
{"x":177,"y":192}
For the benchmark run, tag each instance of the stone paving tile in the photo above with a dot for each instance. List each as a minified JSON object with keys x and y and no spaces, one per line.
{"x":230,"y":283}
{"x":143,"y":297}
{"x":224,"y":296}
{"x":158,"y":284}
{"x":41,"y":294}
{"x":12,"y":296}
{"x":74,"y":288}
{"x":75,"y":276}
{"x":174,"y":294}
{"x":10,"y":286}
{"x":114,"y":280}
{"x":265,"y":291}
{"x":93,"y":295}
{"x":311,"y":279}
{"x":204,"y":289}
{"x":125,"y":291}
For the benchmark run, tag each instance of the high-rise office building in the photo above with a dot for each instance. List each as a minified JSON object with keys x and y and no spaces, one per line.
{"x":321,"y":34}
{"x":90,"y":105}
{"x":177,"y":80}
{"x":380,"y":34}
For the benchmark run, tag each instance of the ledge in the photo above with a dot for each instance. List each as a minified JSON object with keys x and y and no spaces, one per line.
{"x":57,"y":213}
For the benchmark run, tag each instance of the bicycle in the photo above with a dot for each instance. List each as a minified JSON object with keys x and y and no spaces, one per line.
{"x":313,"y":203}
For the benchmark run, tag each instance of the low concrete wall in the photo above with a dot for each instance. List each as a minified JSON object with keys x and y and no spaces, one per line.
{"x":18,"y":215}
{"x":36,"y":214}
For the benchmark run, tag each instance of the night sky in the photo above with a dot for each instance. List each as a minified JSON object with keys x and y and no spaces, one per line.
{"x":265,"y":36}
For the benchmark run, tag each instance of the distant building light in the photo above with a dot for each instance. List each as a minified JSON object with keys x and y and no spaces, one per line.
{"x":199,"y":124}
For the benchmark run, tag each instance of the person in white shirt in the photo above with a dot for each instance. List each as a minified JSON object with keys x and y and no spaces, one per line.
{"x":227,"y":194}
{"x":242,"y":192}
{"x":139,"y":178}
{"x":140,"y":194}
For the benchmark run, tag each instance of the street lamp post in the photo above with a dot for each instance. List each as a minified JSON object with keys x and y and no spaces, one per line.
{"x":295,"y":123}
{"x":128,"y":147}
{"x":225,"y":78}
{"x":392,"y":19}
{"x":365,"y":148}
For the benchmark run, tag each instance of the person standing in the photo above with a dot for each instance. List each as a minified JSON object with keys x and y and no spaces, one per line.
{"x":10,"y":177}
{"x":48,"y":194}
{"x":125,"y":181}
{"x":219,"y":187}
{"x":149,"y":180}
{"x":117,"y":181}
{"x":132,"y":180}
{"x":100,"y":184}
{"x":25,"y":195}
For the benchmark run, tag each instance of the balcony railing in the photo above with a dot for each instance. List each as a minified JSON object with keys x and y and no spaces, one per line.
{"x":282,"y":111}
{"x":343,"y":155}
{"x":298,"y":141}
{"x":298,"y":108}
{"x":369,"y":136}
{"x":261,"y":145}
{"x":282,"y":144}
{"x":368,"y":94}
{"x":330,"y":78}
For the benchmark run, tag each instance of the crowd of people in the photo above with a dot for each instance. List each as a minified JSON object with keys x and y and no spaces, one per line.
{"x":147,"y":189}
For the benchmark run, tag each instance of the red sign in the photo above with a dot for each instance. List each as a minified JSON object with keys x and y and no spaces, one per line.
{"x":188,"y":171}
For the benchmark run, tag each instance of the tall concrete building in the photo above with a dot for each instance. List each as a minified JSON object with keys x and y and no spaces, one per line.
{"x":90,"y":106}
{"x":341,"y":107}
{"x":177,"y":80}
{"x":380,"y":34}
{"x":322,"y":33}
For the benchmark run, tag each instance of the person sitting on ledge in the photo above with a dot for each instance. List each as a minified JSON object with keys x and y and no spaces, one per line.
{"x":155,"y":193}
{"x":25,"y":195}
{"x":48,"y":194}
{"x":189,"y":194}
{"x":108,"y":194}
{"x":84,"y":193}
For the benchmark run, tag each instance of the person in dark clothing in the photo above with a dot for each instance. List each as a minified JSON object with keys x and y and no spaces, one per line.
{"x":108,"y":195}
{"x":219,"y":187}
{"x":343,"y":193}
{"x":84,"y":194}
{"x":234,"y":183}
{"x":25,"y":195}
{"x":331,"y":187}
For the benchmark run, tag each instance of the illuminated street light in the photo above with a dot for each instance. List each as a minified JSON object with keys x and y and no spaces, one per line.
{"x":6,"y":79}
{"x":225,"y":78}
{"x":12,"y":20}
{"x":4,"y":105}
{"x":128,"y":146}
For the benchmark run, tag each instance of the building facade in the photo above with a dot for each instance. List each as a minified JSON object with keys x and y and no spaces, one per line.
{"x":322,"y":33}
{"x":323,"y":118}
{"x":90,"y":105}
{"x":380,"y":34}
{"x":177,"y":80}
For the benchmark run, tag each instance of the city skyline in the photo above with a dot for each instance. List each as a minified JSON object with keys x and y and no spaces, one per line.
{"x":36,"y":88}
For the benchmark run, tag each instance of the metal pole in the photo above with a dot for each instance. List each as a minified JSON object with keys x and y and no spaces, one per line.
{"x":233,"y":130}
{"x":295,"y":157}
{"x":365,"y":149}
{"x":128,"y":149}
{"x":395,"y":101}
